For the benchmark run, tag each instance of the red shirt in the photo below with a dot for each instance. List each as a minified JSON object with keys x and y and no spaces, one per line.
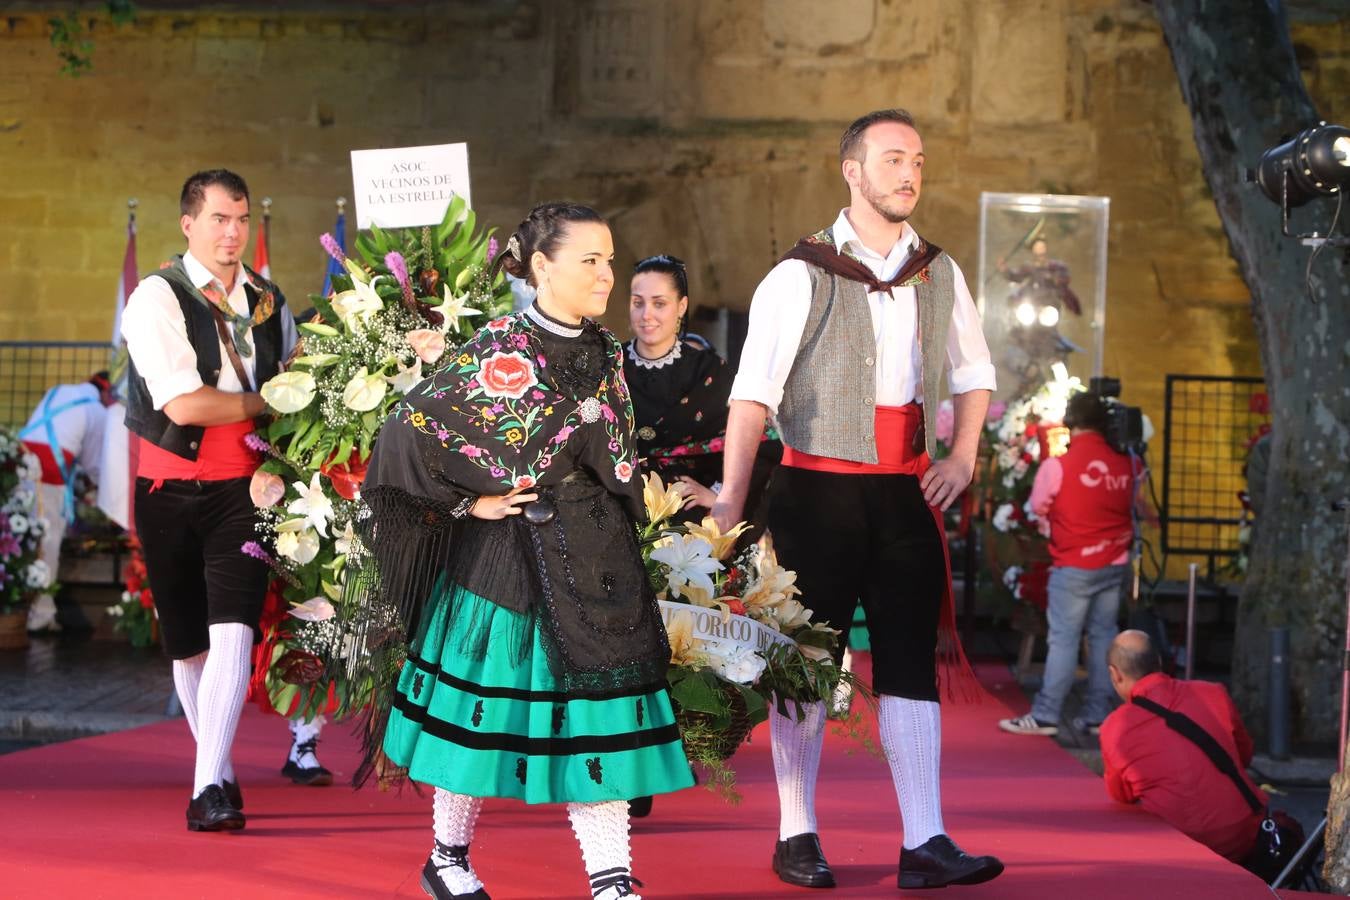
{"x":1170,"y":776}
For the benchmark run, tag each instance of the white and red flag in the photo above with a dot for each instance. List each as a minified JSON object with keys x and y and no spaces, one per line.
{"x":118,"y":468}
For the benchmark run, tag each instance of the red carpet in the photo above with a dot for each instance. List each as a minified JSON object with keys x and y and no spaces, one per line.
{"x":103,"y":817}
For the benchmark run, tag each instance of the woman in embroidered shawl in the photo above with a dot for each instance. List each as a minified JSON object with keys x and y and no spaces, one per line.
{"x":680,"y":387}
{"x":503,"y":490}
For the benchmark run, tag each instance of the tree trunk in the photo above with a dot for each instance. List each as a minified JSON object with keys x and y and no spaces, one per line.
{"x":1239,"y":77}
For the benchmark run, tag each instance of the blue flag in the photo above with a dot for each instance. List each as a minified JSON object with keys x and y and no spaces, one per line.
{"x":335,"y":267}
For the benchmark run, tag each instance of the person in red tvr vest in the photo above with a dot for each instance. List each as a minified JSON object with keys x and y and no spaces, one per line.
{"x":1085,"y":500}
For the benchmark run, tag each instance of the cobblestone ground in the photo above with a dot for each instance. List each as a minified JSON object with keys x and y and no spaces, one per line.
{"x":69,"y":685}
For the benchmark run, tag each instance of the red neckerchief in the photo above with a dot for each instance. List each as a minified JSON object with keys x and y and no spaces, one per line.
{"x":819,"y":250}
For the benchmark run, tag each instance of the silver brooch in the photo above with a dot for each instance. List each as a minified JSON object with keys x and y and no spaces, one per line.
{"x":647,"y":433}
{"x":590,"y":410}
{"x":513,"y":247}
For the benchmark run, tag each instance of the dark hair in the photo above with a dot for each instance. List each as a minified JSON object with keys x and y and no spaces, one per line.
{"x":851,"y":145}
{"x":194,"y":189}
{"x":1134,"y":662}
{"x":542,"y":231}
{"x":666,"y":265}
{"x":101,"y":380}
{"x":1086,"y":410}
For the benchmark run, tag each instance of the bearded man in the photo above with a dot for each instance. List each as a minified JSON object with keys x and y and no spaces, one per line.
{"x":849,"y":337}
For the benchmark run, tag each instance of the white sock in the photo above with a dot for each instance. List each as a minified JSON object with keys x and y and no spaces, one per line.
{"x":602,"y":832}
{"x":796,"y":750}
{"x":220,"y":698}
{"x":187,"y":680}
{"x":453,"y":817}
{"x":301,"y":732}
{"x":911,"y":736}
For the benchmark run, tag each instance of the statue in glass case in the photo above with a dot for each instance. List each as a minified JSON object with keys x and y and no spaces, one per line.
{"x":1039,"y":296}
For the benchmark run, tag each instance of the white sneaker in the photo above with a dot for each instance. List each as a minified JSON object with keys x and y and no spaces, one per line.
{"x":1027,"y":724}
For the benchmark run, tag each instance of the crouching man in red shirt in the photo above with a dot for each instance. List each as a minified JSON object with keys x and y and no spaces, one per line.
{"x":1165,"y":772}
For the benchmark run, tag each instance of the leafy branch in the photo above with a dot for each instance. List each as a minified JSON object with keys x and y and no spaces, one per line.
{"x":70,"y":36}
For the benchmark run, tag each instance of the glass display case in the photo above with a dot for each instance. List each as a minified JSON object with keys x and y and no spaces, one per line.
{"x":1041,"y":286}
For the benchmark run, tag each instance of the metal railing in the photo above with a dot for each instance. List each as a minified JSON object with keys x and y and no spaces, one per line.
{"x":1211,"y":423}
{"x":29,"y":368}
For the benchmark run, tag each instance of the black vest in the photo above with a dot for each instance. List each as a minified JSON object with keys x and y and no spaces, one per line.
{"x":153,"y":424}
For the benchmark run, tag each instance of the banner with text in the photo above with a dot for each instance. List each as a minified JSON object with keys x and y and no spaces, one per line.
{"x":404,"y":187}
{"x":739,"y":631}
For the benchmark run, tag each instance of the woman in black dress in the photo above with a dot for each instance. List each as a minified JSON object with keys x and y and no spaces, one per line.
{"x":680,"y":387}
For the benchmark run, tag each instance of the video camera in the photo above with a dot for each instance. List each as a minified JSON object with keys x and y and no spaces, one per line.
{"x":1124,"y":424}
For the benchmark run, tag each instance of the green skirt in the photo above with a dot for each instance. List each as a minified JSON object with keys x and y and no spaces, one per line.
{"x":490,"y":724}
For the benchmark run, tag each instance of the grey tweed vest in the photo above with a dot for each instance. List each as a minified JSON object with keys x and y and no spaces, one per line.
{"x":829,"y":404}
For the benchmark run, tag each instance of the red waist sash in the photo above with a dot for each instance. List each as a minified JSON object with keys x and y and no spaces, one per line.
{"x":51,"y":472}
{"x":222,"y":455}
{"x":895,"y":428}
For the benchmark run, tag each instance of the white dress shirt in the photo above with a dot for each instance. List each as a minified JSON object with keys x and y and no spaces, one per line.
{"x":782,"y":303}
{"x":156,"y":335}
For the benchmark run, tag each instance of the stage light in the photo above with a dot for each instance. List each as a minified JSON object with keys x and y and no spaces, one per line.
{"x":1025,"y":313}
{"x":1315,"y":163}
{"x":1049,"y":316}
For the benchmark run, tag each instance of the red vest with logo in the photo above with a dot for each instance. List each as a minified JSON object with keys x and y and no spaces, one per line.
{"x":1090,"y":523}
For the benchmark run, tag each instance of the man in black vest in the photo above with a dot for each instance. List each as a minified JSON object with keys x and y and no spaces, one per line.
{"x":203,"y":333}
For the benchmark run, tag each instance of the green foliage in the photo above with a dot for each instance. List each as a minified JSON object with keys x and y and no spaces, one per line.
{"x":69,"y":36}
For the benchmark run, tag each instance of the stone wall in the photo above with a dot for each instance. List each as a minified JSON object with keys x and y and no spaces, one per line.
{"x":703,"y":128}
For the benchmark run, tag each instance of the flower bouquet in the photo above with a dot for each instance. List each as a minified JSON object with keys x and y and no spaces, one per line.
{"x":1030,"y":430}
{"x":134,"y":614}
{"x":410,"y":295}
{"x":739,"y":637}
{"x":22,"y":575}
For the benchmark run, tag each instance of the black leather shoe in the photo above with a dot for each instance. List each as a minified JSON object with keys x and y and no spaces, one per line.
{"x":313,"y":776}
{"x":431,"y":879}
{"x":639,"y":807}
{"x":233,"y":794}
{"x":211,"y":811}
{"x":800,"y":861}
{"x":939,"y":862}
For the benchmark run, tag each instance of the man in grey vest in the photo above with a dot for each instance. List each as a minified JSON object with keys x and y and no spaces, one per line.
{"x":850,"y":335}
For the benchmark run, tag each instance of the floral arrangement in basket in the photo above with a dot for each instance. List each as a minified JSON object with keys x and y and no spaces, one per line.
{"x":134,"y":615}
{"x":720,"y":682}
{"x":410,"y":295}
{"x":22,"y":575}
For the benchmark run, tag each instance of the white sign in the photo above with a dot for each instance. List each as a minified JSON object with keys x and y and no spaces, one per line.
{"x":408,"y":186}
{"x":708,"y":627}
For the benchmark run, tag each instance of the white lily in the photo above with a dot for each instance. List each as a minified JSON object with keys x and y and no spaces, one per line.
{"x":403,"y":380}
{"x":301,"y":546}
{"x":691,"y":563}
{"x":312,"y":505}
{"x":289,"y":392}
{"x":453,"y":308}
{"x":359,"y":305}
{"x":365,"y":391}
{"x":346,"y":542}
